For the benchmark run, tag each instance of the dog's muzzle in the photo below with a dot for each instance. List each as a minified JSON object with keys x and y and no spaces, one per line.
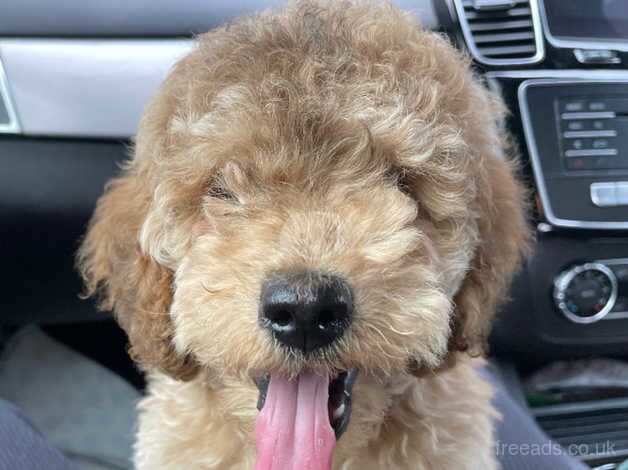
{"x":306,"y":311}
{"x":302,"y":417}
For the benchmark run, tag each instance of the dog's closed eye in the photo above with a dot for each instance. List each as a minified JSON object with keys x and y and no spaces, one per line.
{"x":227,"y":184}
{"x":218,"y":190}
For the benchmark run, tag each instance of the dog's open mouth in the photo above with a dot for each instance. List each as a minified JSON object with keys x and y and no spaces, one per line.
{"x":301,"y":419}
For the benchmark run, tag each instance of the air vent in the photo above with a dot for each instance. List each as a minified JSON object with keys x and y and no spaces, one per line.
{"x":589,"y":430}
{"x":500,"y":32}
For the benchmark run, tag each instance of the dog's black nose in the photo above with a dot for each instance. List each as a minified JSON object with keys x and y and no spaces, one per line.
{"x":306,"y":311}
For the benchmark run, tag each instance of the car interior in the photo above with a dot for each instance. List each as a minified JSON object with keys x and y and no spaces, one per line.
{"x":74,"y":79}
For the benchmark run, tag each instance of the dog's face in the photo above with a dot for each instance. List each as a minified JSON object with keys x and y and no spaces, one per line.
{"x":302,"y":259}
{"x":310,"y":210}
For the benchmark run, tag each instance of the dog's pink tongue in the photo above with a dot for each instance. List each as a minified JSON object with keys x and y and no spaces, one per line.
{"x":293,"y":430}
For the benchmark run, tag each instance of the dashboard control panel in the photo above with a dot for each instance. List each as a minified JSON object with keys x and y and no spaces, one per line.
{"x":593,"y":133}
{"x":576,"y":131}
{"x":589,"y":292}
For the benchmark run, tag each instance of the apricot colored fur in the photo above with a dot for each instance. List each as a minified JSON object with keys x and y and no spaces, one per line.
{"x":336,"y":137}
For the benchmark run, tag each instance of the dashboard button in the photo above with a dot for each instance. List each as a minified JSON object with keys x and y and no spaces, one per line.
{"x":586,"y":293}
{"x":577,"y":144}
{"x":600,"y":144}
{"x":591,"y":163}
{"x":575,"y":125}
{"x":577,"y":164}
{"x":597,"y":56}
{"x":603,"y":194}
{"x":621,"y":193}
{"x":571,"y":106}
{"x":602,"y":163}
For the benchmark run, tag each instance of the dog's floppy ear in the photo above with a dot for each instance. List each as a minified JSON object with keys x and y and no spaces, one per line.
{"x":127,"y":280}
{"x":504,"y":236}
{"x":500,"y":210}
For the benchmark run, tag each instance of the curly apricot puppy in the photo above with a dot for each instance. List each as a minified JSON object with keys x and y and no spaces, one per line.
{"x":319,"y":214}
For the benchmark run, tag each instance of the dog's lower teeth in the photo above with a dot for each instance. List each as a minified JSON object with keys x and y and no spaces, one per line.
{"x":338,"y":412}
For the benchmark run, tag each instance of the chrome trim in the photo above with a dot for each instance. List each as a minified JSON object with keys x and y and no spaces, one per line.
{"x":579,"y":43}
{"x":490,"y":5}
{"x":589,"y":115}
{"x":539,"y":177}
{"x":589,"y":134}
{"x":606,"y":466}
{"x":13,"y":126}
{"x":562,"y":282}
{"x":452,"y":11}
{"x":612,"y":262}
{"x":578,"y":407}
{"x":616,"y":316}
{"x":86,"y":87}
{"x":593,"y":75}
{"x":538,"y":56}
{"x":591,"y":153}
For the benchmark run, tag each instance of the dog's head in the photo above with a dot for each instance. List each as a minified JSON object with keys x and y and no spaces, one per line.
{"x":322,"y":190}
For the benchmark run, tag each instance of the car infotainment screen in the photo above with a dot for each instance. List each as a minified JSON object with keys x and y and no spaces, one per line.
{"x":605,"y":20}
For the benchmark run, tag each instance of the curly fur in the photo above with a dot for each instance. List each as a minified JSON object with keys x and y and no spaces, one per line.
{"x":330,"y":137}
